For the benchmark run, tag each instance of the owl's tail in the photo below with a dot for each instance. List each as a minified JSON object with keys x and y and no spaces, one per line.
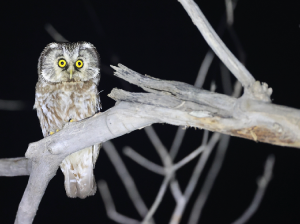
{"x":78,"y":170}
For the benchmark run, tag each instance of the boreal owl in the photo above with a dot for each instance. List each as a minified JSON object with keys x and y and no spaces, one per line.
{"x":66,"y":91}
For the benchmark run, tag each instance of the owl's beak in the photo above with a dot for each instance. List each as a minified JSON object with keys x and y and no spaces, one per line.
{"x":71,"y":73}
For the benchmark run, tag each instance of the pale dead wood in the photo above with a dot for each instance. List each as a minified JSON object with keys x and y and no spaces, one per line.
{"x":262,"y":183}
{"x":15,"y":167}
{"x":173,"y":103}
{"x":253,"y":89}
{"x":243,"y":117}
{"x":251,"y":116}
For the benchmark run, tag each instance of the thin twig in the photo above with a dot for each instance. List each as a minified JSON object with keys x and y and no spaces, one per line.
{"x":157,"y":168}
{"x":209,"y":181}
{"x":177,"y":141}
{"x":158,"y":198}
{"x":126,"y":178}
{"x":54,"y":34}
{"x":14,"y":105}
{"x":160,"y":148}
{"x":180,"y":207}
{"x":128,"y":151}
{"x":229,"y":12}
{"x":110,"y":206}
{"x":205,"y":65}
{"x":262,"y":183}
{"x":188,"y":158}
{"x":167,"y":162}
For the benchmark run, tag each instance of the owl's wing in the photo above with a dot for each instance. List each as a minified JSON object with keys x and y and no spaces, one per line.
{"x":43,"y":119}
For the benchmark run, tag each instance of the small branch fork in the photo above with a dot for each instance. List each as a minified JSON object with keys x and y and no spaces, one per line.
{"x":252,"y":116}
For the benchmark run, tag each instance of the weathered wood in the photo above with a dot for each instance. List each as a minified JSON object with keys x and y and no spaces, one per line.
{"x":15,"y":167}
{"x":170,"y":102}
{"x":243,"y":117}
{"x":252,"y":116}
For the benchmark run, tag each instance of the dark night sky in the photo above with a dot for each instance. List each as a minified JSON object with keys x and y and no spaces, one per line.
{"x":155,"y":38}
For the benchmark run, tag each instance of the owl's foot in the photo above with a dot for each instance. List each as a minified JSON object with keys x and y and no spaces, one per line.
{"x":52,"y":132}
{"x":68,"y":123}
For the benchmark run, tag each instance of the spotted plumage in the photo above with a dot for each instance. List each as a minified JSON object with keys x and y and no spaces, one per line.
{"x":67,"y":90}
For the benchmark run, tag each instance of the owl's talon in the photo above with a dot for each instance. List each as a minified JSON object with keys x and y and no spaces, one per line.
{"x":71,"y":120}
{"x":51,"y":133}
{"x":57,"y":130}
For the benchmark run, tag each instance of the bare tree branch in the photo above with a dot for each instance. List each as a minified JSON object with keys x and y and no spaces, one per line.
{"x":262,"y":183}
{"x":205,"y":65}
{"x":159,"y":169}
{"x":15,"y":167}
{"x":241,"y":73}
{"x":110,"y":206}
{"x":252,"y":90}
{"x":159,"y":197}
{"x":126,"y":178}
{"x":251,"y":116}
{"x":14,"y":105}
{"x":128,"y":151}
{"x":54,"y":34}
{"x":229,"y":12}
{"x":177,"y":141}
{"x":180,"y":207}
{"x":168,"y":164}
{"x":210,"y":179}
{"x":177,"y":104}
{"x":252,"y":119}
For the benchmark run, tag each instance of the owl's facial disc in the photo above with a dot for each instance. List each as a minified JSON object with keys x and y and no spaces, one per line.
{"x":70,"y":62}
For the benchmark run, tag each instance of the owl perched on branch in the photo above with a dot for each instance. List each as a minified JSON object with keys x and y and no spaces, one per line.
{"x":66,"y":91}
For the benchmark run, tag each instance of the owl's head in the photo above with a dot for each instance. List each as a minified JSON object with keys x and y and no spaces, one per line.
{"x":69,"y":62}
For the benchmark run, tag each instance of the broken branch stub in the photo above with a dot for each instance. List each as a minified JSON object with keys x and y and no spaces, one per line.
{"x":244,"y":117}
{"x":169,"y":102}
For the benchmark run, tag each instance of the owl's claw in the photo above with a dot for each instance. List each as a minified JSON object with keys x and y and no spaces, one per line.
{"x":71,"y":120}
{"x":52,"y":132}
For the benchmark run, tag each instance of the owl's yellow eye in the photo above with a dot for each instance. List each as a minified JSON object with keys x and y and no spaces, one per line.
{"x":79,"y":63}
{"x":62,"y":63}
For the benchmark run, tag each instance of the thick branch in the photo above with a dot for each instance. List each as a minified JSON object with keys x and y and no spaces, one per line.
{"x":15,"y":167}
{"x":244,"y":117}
{"x":47,"y":154}
{"x":170,"y":102}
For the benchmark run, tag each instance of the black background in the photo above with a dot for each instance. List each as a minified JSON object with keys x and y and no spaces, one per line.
{"x":155,"y":38}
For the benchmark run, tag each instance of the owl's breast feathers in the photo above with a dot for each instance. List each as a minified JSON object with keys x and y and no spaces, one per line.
{"x":57,"y":103}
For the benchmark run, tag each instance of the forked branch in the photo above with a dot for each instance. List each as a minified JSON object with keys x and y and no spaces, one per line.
{"x":170,"y":102}
{"x":251,"y":116}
